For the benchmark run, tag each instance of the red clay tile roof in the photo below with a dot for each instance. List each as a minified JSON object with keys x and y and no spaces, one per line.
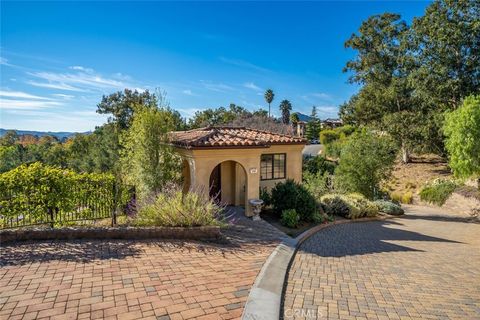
{"x":228,"y":137}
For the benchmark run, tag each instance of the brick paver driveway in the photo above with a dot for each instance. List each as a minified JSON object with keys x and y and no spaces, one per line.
{"x":420,"y":266}
{"x":120,"y":279}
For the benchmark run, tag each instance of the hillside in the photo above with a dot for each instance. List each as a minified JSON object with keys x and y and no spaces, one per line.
{"x":59,"y":135}
{"x":412,"y":176}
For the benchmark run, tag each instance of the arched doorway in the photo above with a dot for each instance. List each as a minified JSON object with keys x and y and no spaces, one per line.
{"x":228,"y":183}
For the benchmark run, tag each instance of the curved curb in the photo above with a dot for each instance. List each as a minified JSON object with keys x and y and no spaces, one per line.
{"x":265,"y":299}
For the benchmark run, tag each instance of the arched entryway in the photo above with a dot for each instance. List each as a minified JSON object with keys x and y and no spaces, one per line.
{"x":228,"y":183}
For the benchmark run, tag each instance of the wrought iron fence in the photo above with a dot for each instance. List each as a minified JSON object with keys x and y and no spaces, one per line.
{"x":79,"y":203}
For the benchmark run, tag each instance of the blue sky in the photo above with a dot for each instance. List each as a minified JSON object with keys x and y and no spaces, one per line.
{"x":57,"y":59}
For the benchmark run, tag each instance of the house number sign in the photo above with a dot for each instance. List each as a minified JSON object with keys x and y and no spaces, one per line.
{"x":253,"y":170}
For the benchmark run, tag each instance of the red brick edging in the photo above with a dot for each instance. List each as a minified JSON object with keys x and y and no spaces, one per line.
{"x":190,"y":233}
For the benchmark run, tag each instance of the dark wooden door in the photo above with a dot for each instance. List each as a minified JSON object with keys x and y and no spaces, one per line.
{"x":216,"y":184}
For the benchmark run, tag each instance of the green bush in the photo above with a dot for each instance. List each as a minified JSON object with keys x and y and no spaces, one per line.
{"x":291,"y":195}
{"x":265,"y":196}
{"x":389,"y":207}
{"x":437,"y":191}
{"x":328,"y":136}
{"x":351,"y":206}
{"x":365,"y":161}
{"x":35,"y":191}
{"x":318,"y":164}
{"x":173,"y":208}
{"x":317,"y":184}
{"x":290,"y":218}
{"x":462,"y":131}
{"x":335,"y":205}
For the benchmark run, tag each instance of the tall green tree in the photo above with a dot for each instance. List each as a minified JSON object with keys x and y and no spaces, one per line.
{"x":445,"y":43}
{"x":462,"y":130}
{"x":366,"y":160}
{"x":313,"y":127}
{"x":269,"y":95}
{"x":383,"y":66}
{"x":219,"y":116}
{"x":285,"y":108}
{"x":149,"y":162}
{"x":121,"y":106}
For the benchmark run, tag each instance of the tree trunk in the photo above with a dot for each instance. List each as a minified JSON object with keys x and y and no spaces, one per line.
{"x":405,"y":154}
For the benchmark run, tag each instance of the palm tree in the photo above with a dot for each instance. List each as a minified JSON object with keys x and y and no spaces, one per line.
{"x":285,"y":107}
{"x":269,"y":95}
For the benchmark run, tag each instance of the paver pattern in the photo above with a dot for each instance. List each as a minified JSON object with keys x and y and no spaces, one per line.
{"x":134,"y":279}
{"x":420,"y":266}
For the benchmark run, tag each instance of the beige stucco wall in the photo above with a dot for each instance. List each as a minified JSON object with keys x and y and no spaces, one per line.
{"x":202,"y":162}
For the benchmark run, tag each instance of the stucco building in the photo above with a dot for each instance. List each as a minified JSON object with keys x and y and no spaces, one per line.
{"x":235,"y":162}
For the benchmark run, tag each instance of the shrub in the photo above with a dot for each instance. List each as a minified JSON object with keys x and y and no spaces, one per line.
{"x":350,"y":206}
{"x":389,"y":207}
{"x":317,"y":184}
{"x":328,"y":136}
{"x":407,"y":197}
{"x":41,"y":194}
{"x":291,"y":195}
{"x":318,"y":164}
{"x":265,"y":196}
{"x":335,"y":205}
{"x":437,"y":191}
{"x":365,"y":161}
{"x":173,"y":208}
{"x":319,"y":217}
{"x":462,"y":129}
{"x":398,"y":197}
{"x":290,"y":218}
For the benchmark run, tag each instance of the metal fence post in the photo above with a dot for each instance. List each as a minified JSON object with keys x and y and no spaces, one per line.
{"x":114,"y":213}
{"x":52,"y":219}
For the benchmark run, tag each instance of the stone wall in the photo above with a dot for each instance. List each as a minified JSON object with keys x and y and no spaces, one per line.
{"x":193,"y":233}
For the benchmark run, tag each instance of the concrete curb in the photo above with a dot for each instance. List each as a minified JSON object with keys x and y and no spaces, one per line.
{"x":265,"y":299}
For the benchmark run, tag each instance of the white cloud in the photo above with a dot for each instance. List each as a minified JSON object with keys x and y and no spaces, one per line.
{"x":218,"y":87}
{"x":21,"y":95}
{"x":242,"y":64}
{"x":253,"y":86}
{"x":84,"y":79}
{"x":80,"y":68}
{"x":188,"y":92}
{"x":81,"y":78}
{"x":63,"y":96}
{"x":4,"y":61}
{"x":9,"y":104}
{"x":317,"y":97}
{"x":321,"y":95}
{"x":327,"y":111}
{"x":59,"y":86}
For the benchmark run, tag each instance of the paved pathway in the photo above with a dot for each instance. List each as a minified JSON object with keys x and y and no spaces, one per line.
{"x":134,"y":279}
{"x":421,"y":266}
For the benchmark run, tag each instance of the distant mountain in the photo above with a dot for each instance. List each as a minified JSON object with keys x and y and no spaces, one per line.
{"x":304,"y":117}
{"x":59,"y":135}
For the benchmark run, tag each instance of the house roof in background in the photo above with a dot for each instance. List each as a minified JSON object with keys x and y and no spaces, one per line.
{"x":230,"y":137}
